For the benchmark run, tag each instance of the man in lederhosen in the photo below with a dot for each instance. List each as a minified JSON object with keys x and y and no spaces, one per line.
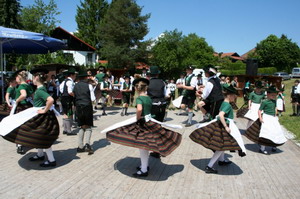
{"x":158,"y":93}
{"x":212,"y":93}
{"x":84,"y":96}
{"x":189,"y":93}
{"x":66,"y":90}
{"x":99,"y":78}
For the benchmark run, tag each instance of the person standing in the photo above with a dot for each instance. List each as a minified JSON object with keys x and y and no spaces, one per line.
{"x":105,"y":87}
{"x":145,"y":134}
{"x":99,"y":78}
{"x":84,"y":96}
{"x":221,"y":134}
{"x":189,"y":93}
{"x":23,"y":96}
{"x":295,"y":98}
{"x":67,"y":97}
{"x":10,"y":95}
{"x":180,"y":81}
{"x":266,"y":131}
{"x":211,"y":94}
{"x":39,"y":131}
{"x":157,"y":91}
{"x":126,"y":89}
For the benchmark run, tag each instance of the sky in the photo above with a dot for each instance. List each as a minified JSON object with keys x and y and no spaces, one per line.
{"x":226,"y":25}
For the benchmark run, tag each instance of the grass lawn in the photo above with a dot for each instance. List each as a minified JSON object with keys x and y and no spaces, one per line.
{"x":290,"y":123}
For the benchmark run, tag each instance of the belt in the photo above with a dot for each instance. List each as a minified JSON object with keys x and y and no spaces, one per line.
{"x":159,"y":103}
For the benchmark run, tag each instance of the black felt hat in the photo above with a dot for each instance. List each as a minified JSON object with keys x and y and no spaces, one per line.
{"x":272,"y":89}
{"x":82,"y":73}
{"x":140,"y":80}
{"x":229,"y":89}
{"x":154,"y":70}
{"x":39,"y":70}
{"x":210,"y":69}
{"x":18,"y":71}
{"x":190,"y":67}
{"x":259,"y":84}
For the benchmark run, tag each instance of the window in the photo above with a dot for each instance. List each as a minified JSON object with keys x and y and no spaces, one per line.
{"x":89,"y":59}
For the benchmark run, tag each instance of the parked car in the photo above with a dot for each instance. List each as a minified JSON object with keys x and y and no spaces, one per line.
{"x":295,"y":72}
{"x":284,"y":75}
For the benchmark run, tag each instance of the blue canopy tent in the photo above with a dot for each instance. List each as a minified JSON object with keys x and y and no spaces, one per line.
{"x":25,"y":42}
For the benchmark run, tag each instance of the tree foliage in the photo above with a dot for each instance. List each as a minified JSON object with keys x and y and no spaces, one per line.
{"x":9,"y":12}
{"x":89,"y":16}
{"x":122,"y":30}
{"x":173,"y":51}
{"x":281,"y":53}
{"x":40,"y":17}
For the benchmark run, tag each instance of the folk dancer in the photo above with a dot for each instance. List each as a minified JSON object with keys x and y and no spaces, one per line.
{"x":105,"y":87}
{"x":67,"y":97}
{"x":221,"y":134}
{"x":211,"y":94}
{"x":145,"y":134}
{"x":189,"y":93}
{"x":255,"y":99}
{"x":41,"y":129}
{"x":266,"y":131}
{"x":84,"y":96}
{"x":126,"y":89}
{"x":23,"y":97}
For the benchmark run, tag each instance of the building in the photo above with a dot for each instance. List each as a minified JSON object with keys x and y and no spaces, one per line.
{"x":82,"y":52}
{"x":233,"y":56}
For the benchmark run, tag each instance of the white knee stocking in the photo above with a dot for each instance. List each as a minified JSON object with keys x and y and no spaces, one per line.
{"x":214,"y":158}
{"x":40,"y":153}
{"x":50,"y":154}
{"x":144,"y":154}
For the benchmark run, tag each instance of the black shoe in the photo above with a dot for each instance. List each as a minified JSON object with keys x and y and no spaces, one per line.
{"x":122,"y":114}
{"x":80,"y":150}
{"x":224,"y":163}
{"x":140,"y":174}
{"x":89,"y":149}
{"x":104,"y":114}
{"x":264,"y":152}
{"x":36,"y":158}
{"x":126,"y":114}
{"x":210,"y":170}
{"x":139,"y":168}
{"x":274,"y":149}
{"x":48,"y":164}
{"x":155,"y":155}
{"x":95,"y":107}
{"x":241,"y":153}
{"x":20,"y":150}
{"x":188,"y":125}
{"x":65,"y":132}
{"x":204,"y":120}
{"x":71,"y":133}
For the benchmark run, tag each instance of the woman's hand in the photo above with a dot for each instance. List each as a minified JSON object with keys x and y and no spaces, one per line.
{"x":261,"y":120}
{"x":227,"y":129}
{"x":41,"y":111}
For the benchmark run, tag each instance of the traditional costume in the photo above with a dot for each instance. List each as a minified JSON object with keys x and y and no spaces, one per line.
{"x":213,"y":135}
{"x":255,"y":100}
{"x":84,"y":95}
{"x":145,"y":134}
{"x":105,"y":87}
{"x":268,"y":133}
{"x":39,"y":131}
{"x":126,"y":89}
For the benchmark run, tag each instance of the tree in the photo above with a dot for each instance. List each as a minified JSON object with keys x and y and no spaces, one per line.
{"x":174,"y":51}
{"x":89,"y":15}
{"x":199,"y":53}
{"x":281,"y":53}
{"x":40,"y":17}
{"x":122,"y":30}
{"x":9,"y":12}
{"x":168,"y":52}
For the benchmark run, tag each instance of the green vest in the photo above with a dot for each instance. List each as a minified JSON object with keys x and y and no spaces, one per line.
{"x":188,"y":93}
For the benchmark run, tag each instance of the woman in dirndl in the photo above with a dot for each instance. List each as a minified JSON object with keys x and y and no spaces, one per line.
{"x":145,"y":134}
{"x":42,"y":130}
{"x":280,"y":104}
{"x":255,"y":99}
{"x":266,"y":131}
{"x":221,"y":134}
{"x":23,"y":97}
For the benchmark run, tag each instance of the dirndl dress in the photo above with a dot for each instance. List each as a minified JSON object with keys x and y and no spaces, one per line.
{"x":213,"y":135}
{"x":252,"y":114}
{"x":149,"y":136}
{"x":268,"y":133}
{"x":41,"y":131}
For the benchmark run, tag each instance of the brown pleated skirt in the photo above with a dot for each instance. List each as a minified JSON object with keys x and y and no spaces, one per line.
{"x":214,"y":137}
{"x":252,"y":133}
{"x":150,"y":136}
{"x":39,"y":132}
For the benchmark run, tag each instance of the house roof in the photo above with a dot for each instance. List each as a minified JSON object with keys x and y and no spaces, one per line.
{"x":245,"y":56}
{"x":138,"y":65}
{"x":232,"y":55}
{"x":74,"y":43}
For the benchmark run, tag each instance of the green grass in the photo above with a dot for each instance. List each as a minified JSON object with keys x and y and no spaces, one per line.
{"x":292,"y":124}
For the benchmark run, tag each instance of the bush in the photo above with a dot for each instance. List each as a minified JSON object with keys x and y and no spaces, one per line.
{"x":267,"y":70}
{"x":233,"y":72}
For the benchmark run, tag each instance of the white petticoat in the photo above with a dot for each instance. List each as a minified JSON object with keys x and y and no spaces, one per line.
{"x":252,"y":114}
